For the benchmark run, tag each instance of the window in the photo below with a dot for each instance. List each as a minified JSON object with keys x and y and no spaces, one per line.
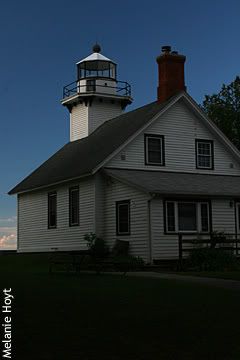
{"x":123,"y":217}
{"x":187,"y":216}
{"x":52,"y":210}
{"x":170,"y":216}
{"x":154,"y":150}
{"x":204,"y":154}
{"x":238,"y":217}
{"x":91,"y":85}
{"x":74,"y":206}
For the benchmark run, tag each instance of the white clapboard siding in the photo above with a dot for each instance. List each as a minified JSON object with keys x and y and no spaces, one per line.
{"x":139,"y":244}
{"x":78,"y":122}
{"x":223,"y":216}
{"x":99,"y":204}
{"x":165,"y":246}
{"x":180,"y":128}
{"x":99,"y":112}
{"x":33,"y":232}
{"x":84,"y":119}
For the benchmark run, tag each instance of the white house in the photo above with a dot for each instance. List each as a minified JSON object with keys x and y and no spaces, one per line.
{"x":143,"y":176}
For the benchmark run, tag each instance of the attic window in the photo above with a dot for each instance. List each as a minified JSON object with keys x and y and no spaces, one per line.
{"x":154,"y":150}
{"x":204,"y":154}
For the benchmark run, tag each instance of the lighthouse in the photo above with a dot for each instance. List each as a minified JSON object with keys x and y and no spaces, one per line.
{"x":96,"y":95}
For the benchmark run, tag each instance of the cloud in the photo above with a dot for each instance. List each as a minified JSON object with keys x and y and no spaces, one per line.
{"x":8,"y":242}
{"x":9,"y":220}
{"x":8,"y":238}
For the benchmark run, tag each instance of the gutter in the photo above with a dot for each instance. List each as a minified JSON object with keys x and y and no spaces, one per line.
{"x":49,"y":185}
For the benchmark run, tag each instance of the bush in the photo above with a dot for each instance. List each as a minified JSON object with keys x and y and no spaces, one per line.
{"x":212,"y":259}
{"x":128,"y":262}
{"x":216,"y":237}
{"x":120,"y":248}
{"x":96,"y":245}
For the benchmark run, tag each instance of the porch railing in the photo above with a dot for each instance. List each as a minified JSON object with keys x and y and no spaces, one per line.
{"x":226,"y":241}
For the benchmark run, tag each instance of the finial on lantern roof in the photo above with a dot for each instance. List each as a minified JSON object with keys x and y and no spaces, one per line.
{"x":96,"y":48}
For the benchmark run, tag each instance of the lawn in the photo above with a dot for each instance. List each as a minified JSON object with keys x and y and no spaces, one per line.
{"x":115,"y":317}
{"x":229,"y":275}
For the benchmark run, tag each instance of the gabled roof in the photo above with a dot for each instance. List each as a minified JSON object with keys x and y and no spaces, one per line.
{"x":178,"y":184}
{"x":86,"y":156}
{"x":81,"y":157}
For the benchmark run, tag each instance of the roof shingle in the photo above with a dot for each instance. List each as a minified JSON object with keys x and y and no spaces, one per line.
{"x":81,"y":157}
{"x":172,"y":183}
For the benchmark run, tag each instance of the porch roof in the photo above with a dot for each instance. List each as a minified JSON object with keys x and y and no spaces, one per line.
{"x":179,"y":184}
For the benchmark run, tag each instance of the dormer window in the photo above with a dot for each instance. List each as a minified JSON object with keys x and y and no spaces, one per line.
{"x":154,"y":150}
{"x":204,"y":154}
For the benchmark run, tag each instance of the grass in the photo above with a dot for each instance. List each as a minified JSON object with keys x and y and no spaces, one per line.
{"x":230,"y":275}
{"x":90,"y":317}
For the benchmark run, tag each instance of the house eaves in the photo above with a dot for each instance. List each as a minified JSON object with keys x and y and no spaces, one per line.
{"x":196,"y":109}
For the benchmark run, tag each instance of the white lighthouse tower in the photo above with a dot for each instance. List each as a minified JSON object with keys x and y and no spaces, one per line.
{"x":96,"y":96}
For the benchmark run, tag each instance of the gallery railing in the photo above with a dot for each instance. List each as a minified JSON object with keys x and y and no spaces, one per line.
{"x":121,"y":88}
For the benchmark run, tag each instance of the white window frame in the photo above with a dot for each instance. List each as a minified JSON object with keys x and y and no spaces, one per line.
{"x":198,"y":214}
{"x":72,"y":190}
{"x":159,"y":137}
{"x":52,"y":194}
{"x":210,"y":156}
{"x":118,"y":204}
{"x":238,"y":216}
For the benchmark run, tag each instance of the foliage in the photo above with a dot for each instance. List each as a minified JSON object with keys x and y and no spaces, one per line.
{"x":224,"y":109}
{"x":128,"y":262}
{"x":212,"y":259}
{"x":217,"y":236}
{"x":96,"y":245}
{"x":120,"y":248}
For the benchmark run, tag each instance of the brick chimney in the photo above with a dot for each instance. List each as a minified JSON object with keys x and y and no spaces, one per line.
{"x":170,"y":73}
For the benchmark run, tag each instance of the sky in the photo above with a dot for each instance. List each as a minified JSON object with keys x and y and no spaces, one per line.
{"x":42,"y":40}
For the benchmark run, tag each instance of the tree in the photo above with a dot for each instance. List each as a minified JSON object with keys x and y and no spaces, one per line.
{"x":224,"y":109}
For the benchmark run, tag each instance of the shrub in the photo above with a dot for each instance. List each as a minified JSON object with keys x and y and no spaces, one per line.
{"x":128,"y":262}
{"x":96,"y":245}
{"x":212,"y":259}
{"x":120,"y":248}
{"x":216,"y":237}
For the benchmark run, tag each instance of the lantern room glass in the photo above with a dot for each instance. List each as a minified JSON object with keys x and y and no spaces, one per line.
{"x":97,"y":68}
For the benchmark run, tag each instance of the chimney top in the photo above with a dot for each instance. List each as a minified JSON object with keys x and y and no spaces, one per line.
{"x":166,"y":49}
{"x":170,"y":73}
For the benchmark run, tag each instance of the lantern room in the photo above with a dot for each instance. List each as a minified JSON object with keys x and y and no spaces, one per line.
{"x":97,"y":75}
{"x":96,"y":66}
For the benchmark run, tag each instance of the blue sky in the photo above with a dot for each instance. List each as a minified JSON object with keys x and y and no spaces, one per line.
{"x":42,"y":40}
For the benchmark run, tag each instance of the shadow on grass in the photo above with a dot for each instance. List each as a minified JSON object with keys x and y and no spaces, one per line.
{"x":87,"y":316}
